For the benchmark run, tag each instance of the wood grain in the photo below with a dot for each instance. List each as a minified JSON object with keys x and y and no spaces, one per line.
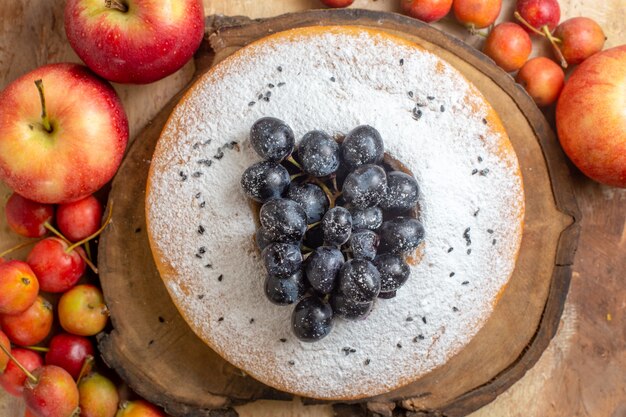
{"x":510,"y":342}
{"x":583,"y":371}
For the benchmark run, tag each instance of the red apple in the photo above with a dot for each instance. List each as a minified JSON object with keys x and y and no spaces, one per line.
{"x":539,"y":13}
{"x":477,"y":14}
{"x":75,"y":148}
{"x":98,"y":396}
{"x":12,"y":380}
{"x":139,"y":408}
{"x":18,"y":287}
{"x":57,"y":270}
{"x":543,"y":79}
{"x":69,"y":352}
{"x":426,"y":10}
{"x":82,"y":310}
{"x":337,"y":3}
{"x":51,"y":393}
{"x":591,"y":117}
{"x":30,"y":327}
{"x":134,"y":41}
{"x":580,"y":37}
{"x":80,"y":219}
{"x":4,"y":359}
{"x":508,"y":45}
{"x":26,"y":217}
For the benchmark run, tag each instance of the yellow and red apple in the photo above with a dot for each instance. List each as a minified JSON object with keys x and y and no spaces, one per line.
{"x":591,"y":117}
{"x":73,"y":148}
{"x":134,"y":41}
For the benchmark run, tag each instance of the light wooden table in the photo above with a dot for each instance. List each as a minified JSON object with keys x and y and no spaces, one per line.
{"x":583,"y":371}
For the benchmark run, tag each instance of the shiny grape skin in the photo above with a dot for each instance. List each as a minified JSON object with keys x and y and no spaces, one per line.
{"x":272,"y":139}
{"x":265,"y":180}
{"x":312,"y":319}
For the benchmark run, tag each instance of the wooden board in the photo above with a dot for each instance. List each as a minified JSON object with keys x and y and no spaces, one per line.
{"x":161,"y":358}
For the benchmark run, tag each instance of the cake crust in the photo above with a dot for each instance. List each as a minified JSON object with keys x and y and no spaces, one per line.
{"x":448,"y":297}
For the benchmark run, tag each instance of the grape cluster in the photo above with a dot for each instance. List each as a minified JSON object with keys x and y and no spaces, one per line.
{"x":336,"y":223}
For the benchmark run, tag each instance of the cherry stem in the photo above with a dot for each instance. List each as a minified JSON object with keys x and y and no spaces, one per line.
{"x":116,"y":4}
{"x":96,"y":234}
{"x":45,"y":120}
{"x":86,"y":368}
{"x":66,"y":240}
{"x":293,"y":177}
{"x":87,"y":250}
{"x":18,"y":247}
{"x":294,"y":162}
{"x":557,"y":50}
{"x":18,"y":364}
{"x":306,"y":249}
{"x":332,"y":197}
{"x":334,"y":181}
{"x":528,"y":25}
{"x":37,"y":348}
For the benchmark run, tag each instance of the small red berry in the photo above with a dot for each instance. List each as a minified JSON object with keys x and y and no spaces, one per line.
{"x":18,"y":287}
{"x":580,"y":37}
{"x":539,"y":13}
{"x":477,"y":14}
{"x":426,"y":10}
{"x":30,"y":327}
{"x":80,"y":219}
{"x":12,"y":380}
{"x":69,"y":352}
{"x":543,"y":79}
{"x":508,"y":45}
{"x":337,"y":3}
{"x":27,"y":217}
{"x":56,"y":270}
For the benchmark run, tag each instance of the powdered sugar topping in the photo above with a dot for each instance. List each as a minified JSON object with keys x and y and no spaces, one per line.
{"x":430,"y":118}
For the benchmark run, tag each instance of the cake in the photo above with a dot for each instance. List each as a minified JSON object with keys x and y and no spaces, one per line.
{"x":201,"y":225}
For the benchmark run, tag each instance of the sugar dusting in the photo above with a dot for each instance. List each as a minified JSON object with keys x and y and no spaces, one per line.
{"x":430,"y":120}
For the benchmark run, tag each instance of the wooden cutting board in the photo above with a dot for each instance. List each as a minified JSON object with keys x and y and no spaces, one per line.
{"x":159,"y":356}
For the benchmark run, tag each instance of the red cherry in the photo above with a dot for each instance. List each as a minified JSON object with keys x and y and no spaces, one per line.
{"x":337,"y":3}
{"x":30,"y":327}
{"x":12,"y":380}
{"x":56,"y":270}
{"x":543,"y":79}
{"x":508,"y":45}
{"x":539,"y":13}
{"x":139,"y":408}
{"x":82,"y":310}
{"x":53,"y":392}
{"x":80,"y":219}
{"x":18,"y":287}
{"x":477,"y":14}
{"x":27,"y":217}
{"x":4,"y":358}
{"x":69,"y":352}
{"x":426,"y":10}
{"x":580,"y":37}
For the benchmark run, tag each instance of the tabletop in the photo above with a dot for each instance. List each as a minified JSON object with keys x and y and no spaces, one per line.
{"x":583,"y":370}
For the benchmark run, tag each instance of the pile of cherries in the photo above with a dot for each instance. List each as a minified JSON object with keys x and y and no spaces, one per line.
{"x":55,"y":371}
{"x":336,"y":223}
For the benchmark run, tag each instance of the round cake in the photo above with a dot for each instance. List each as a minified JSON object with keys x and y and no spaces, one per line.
{"x":201,"y":225}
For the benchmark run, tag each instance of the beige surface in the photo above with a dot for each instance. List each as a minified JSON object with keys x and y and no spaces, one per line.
{"x":583,"y":371}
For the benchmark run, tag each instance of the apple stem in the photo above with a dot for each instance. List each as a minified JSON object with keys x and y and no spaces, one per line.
{"x":38,"y":348}
{"x":96,"y":234}
{"x":116,"y":4}
{"x":18,"y":247}
{"x":528,"y":25}
{"x":86,"y":368}
{"x":45,"y":121}
{"x":557,"y":50}
{"x":66,"y":240}
{"x":18,"y":364}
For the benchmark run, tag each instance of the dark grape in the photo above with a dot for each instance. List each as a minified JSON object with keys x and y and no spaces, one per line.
{"x":394,"y":271}
{"x":402,"y":192}
{"x":359,"y":280}
{"x":314,"y":237}
{"x":282,"y":259}
{"x":284,"y":291}
{"x":272,"y":139}
{"x":312,"y":319}
{"x":283,"y":220}
{"x":387,"y":295}
{"x":311,"y":198}
{"x":337,"y":226}
{"x":365,"y":187}
{"x":322,"y":268}
{"x":363,"y":244}
{"x":265,"y":180}
{"x":363,"y":145}
{"x":400,"y":235}
{"x":261,"y":238}
{"x":370,"y":218}
{"x":319,"y":154}
{"x":348,"y":308}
